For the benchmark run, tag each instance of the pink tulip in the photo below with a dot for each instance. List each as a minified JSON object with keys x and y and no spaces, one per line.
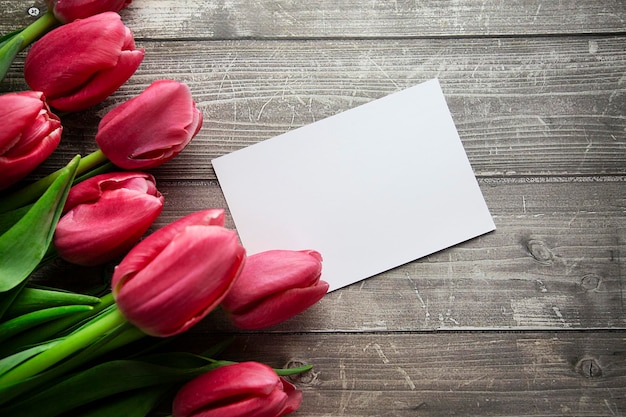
{"x":150,"y":129}
{"x":104,"y":216}
{"x":67,"y":11}
{"x":241,"y":390}
{"x":275,"y":286}
{"x":79,"y":64}
{"x":29,"y":134}
{"x":178,"y":274}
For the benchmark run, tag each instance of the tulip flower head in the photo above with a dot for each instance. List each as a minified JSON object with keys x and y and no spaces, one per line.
{"x":150,"y":129}
{"x":275,"y":286}
{"x":67,"y":11}
{"x":30,"y":133}
{"x":104,"y":216}
{"x":178,"y":274}
{"x":79,"y":64}
{"x":239,"y":390}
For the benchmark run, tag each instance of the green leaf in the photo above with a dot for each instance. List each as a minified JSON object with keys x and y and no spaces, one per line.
{"x":109,"y":338}
{"x":19,"y":324}
{"x":54,"y":329}
{"x":218,"y":348}
{"x":8,"y":219}
{"x":8,"y":52}
{"x":31,"y":192}
{"x":24,"y":245}
{"x":5,"y":38}
{"x":100,"y":381}
{"x":7,"y":298}
{"x":32,"y":299}
{"x":10,"y":362}
{"x":136,"y":403}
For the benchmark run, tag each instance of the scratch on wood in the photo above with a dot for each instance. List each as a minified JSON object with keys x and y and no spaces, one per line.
{"x":258,"y":117}
{"x":419,"y":297}
{"x":558,"y":313}
{"x":342,"y":374}
{"x":383,"y":72}
{"x":534,"y":311}
{"x":606,"y":402}
{"x":537,"y":12}
{"x":407,"y":378}
{"x":379,"y":351}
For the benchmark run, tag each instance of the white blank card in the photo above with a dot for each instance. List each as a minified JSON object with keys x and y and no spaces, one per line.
{"x":371,"y":188}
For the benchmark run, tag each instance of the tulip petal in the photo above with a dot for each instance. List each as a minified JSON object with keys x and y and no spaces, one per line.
{"x":280,"y":307}
{"x":104,"y":216}
{"x":118,"y":221}
{"x":195,"y":270}
{"x":269,"y":406}
{"x":91,"y":190}
{"x":94,"y":63}
{"x":245,"y":389}
{"x":294,"y":397}
{"x":38,"y":136}
{"x":17,"y":110}
{"x":69,"y":10}
{"x":102,"y":84}
{"x":141,"y":255}
{"x":273,"y":272}
{"x":88,"y":45}
{"x":164,"y":113}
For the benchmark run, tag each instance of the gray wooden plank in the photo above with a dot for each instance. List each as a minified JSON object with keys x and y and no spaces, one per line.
{"x":443,"y":374}
{"x":331,"y":19}
{"x":523,"y":107}
{"x":556,"y":261}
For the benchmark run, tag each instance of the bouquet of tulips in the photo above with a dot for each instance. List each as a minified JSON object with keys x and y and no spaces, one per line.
{"x":100,"y":354}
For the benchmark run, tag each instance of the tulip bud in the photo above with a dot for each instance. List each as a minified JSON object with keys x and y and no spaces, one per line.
{"x":275,"y":286}
{"x":178,"y":274}
{"x":150,"y":129}
{"x":238,"y":390}
{"x":104,"y":216}
{"x":79,"y":64}
{"x":29,"y":134}
{"x":67,"y":11}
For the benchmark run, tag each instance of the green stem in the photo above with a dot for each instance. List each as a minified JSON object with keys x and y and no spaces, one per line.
{"x":73,"y":343}
{"x":58,"y":328}
{"x":38,"y":28}
{"x":33,"y":191}
{"x":293,"y":371}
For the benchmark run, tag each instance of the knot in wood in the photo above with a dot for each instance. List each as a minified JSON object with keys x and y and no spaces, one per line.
{"x":589,"y":368}
{"x":590,"y":282}
{"x":306,"y":378}
{"x":540,"y":252}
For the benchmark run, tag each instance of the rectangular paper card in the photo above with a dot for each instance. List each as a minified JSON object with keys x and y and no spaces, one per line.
{"x":371,"y":188}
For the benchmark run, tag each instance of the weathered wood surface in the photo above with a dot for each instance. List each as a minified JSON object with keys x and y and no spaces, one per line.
{"x":445,"y":374}
{"x":284,"y":19}
{"x":542,"y":107}
{"x":553,"y":263}
{"x":527,"y":320}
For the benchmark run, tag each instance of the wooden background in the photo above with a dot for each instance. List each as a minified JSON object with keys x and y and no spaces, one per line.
{"x":528,"y":320}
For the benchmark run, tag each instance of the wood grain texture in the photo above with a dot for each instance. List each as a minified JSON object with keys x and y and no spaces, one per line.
{"x":555,"y":262}
{"x":522,"y":107}
{"x":487,"y":374}
{"x":288,"y":19}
